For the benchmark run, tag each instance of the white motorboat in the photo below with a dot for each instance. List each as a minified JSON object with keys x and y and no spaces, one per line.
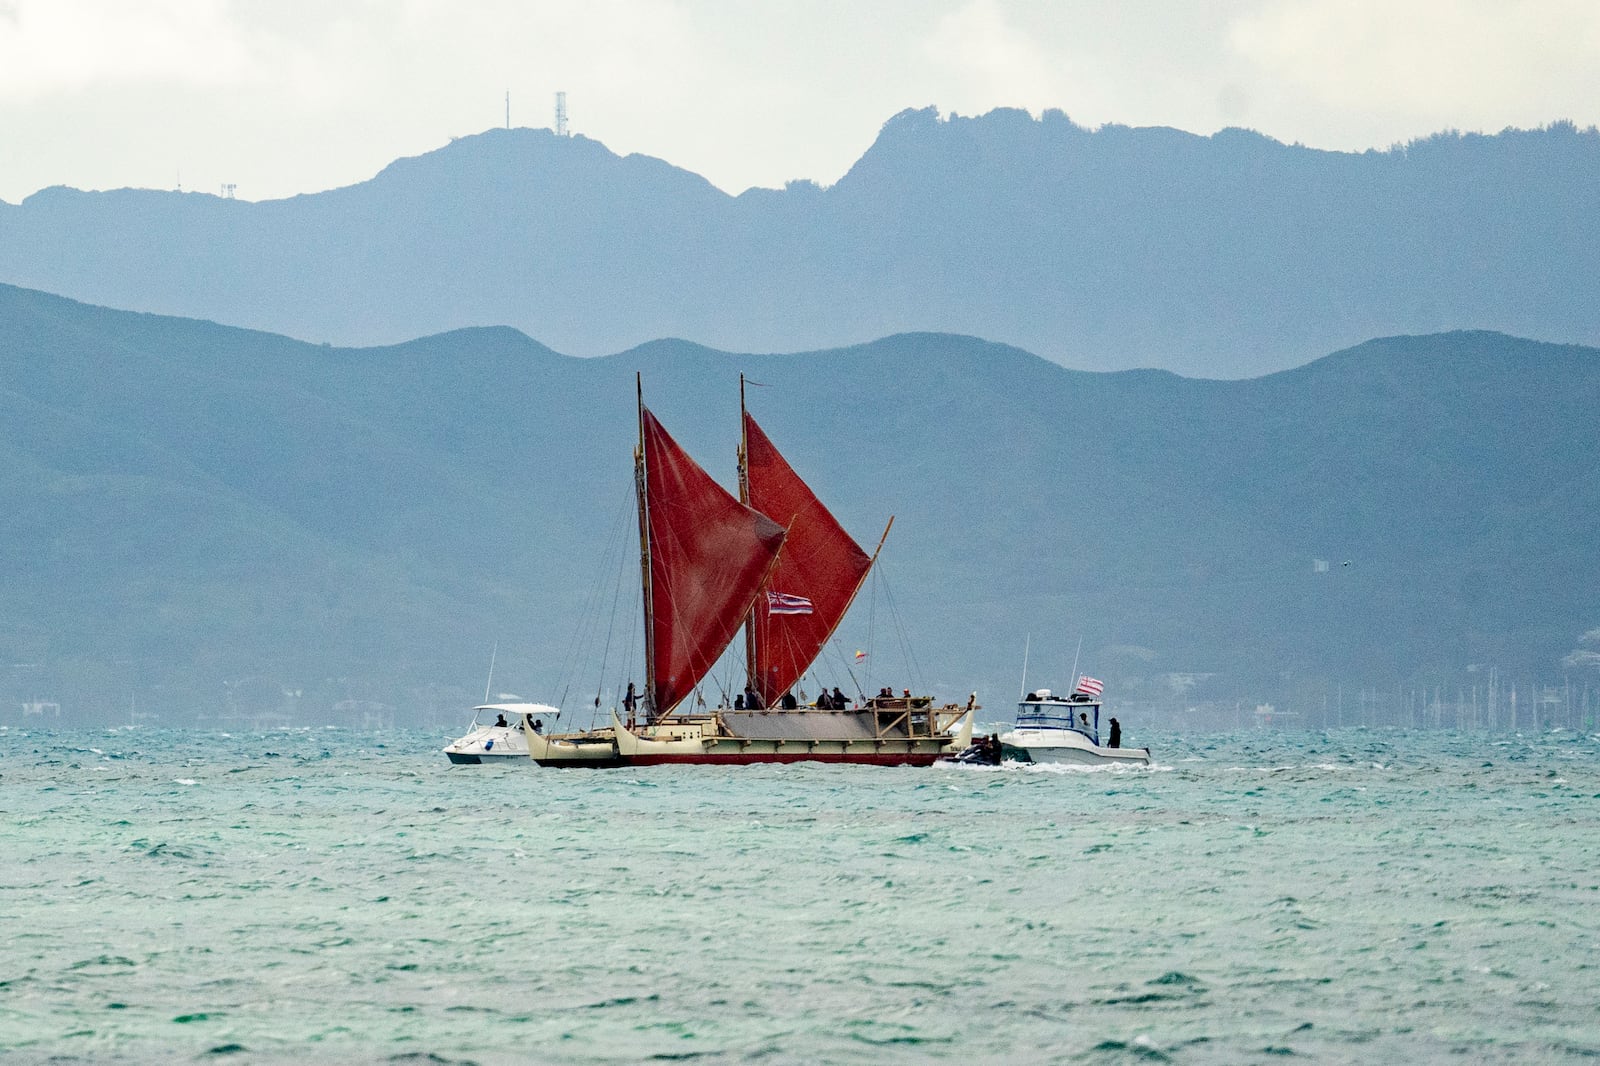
{"x":502,"y":739}
{"x":1065,"y":729}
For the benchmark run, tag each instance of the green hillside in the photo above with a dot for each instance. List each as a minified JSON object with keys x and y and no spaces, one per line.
{"x":200,"y":520}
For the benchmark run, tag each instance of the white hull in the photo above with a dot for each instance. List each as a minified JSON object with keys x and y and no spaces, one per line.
{"x":489,"y":743}
{"x":1066,"y":746}
{"x":499,"y":743}
{"x":597,"y":747}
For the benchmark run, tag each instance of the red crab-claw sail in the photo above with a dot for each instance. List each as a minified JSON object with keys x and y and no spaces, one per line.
{"x":708,"y":555}
{"x":814,"y":580}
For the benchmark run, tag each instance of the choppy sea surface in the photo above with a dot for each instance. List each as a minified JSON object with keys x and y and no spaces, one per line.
{"x":337,"y":896}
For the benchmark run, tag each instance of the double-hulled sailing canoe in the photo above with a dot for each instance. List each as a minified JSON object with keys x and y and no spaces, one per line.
{"x":776,"y":562}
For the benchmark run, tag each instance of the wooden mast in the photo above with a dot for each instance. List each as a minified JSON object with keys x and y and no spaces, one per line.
{"x":642,"y":486}
{"x":750,"y":664}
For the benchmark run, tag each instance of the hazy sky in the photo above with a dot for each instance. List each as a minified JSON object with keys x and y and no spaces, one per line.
{"x":287,"y":96}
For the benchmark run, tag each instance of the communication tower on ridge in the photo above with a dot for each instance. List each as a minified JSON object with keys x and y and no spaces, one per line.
{"x":508,"y":109}
{"x":561,"y":114}
{"x":228,"y":189}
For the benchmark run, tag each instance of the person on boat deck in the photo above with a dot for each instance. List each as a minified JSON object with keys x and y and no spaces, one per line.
{"x":500,"y":720}
{"x":752,"y":699}
{"x":1083,"y":719}
{"x":839,"y":702}
{"x":630,"y":699}
{"x":788,"y":702}
{"x":738,"y":702}
{"x":538,"y":725}
{"x":1116,"y":735}
{"x":824,"y":701}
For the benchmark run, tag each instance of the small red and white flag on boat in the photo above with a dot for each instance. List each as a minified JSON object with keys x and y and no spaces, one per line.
{"x":860,"y":655}
{"x":1088,"y":685}
{"x":783,"y":603}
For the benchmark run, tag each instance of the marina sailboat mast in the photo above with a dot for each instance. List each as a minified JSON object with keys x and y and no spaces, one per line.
{"x":704,"y":558}
{"x":811,"y":585}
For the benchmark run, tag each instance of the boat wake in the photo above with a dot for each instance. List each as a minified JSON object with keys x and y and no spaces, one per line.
{"x":1057,"y":768}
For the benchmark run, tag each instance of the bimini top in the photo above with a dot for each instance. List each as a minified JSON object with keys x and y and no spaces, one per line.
{"x":535,"y":709}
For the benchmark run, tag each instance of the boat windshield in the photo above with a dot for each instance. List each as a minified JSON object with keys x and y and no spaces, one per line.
{"x":1081,"y":717}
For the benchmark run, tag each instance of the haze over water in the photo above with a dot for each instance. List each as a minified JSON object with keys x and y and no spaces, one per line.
{"x":335,"y":896}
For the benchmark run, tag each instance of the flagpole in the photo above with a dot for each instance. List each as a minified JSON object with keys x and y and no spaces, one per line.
{"x":1074,"y":674}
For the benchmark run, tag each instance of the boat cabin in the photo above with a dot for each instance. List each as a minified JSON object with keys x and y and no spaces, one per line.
{"x":1043,"y":710}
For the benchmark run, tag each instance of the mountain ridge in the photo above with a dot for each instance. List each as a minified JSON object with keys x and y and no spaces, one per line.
{"x":1229,"y":255}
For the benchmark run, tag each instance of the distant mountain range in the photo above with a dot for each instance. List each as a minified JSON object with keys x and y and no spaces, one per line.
{"x":195,"y":515}
{"x":1223,"y":256}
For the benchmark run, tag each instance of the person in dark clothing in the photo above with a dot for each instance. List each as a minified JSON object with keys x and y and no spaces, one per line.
{"x":738,"y":702}
{"x":1116,"y":734}
{"x":839,"y":702}
{"x":788,"y":701}
{"x":500,"y":720}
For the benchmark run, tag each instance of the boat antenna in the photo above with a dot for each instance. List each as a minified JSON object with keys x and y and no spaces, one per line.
{"x":1026,"y":644}
{"x":1072,"y":678}
{"x":488,"y":684}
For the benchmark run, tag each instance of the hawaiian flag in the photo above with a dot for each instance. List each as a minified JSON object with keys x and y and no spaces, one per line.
{"x":1088,"y":686}
{"x":783,"y":603}
{"x":860,"y":655}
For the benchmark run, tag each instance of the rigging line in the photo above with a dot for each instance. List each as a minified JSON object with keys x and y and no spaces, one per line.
{"x":614,"y":565}
{"x":905,"y":648}
{"x":605,"y":656}
{"x":596,"y":593}
{"x":635,"y":610}
{"x":589,"y":614}
{"x":790,"y":643}
{"x":845,"y":662}
{"x":872,"y":621}
{"x":841,"y":662}
{"x":731,"y":666}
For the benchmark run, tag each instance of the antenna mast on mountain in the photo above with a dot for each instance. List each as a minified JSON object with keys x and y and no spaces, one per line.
{"x":561,"y":114}
{"x":508,"y":109}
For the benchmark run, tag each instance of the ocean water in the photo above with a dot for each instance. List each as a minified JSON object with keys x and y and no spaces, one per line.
{"x":335,"y":896}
